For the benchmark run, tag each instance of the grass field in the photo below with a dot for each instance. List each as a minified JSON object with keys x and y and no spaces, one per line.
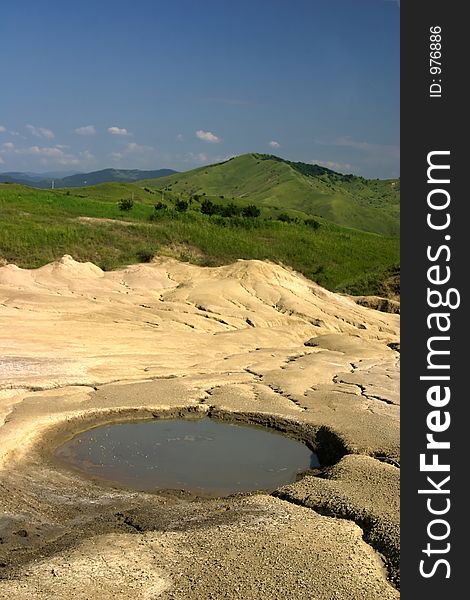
{"x":38,"y":226}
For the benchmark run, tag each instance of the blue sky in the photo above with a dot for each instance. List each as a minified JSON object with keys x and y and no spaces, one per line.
{"x":89,"y":84}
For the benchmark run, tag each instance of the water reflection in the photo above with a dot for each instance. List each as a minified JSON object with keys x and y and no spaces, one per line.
{"x":201,"y":456}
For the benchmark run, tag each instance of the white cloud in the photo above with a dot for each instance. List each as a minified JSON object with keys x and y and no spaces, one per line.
{"x":41,"y":132}
{"x":1,"y":160}
{"x":118,"y":130}
{"x":367,"y":147}
{"x":2,"y":128}
{"x":69,"y":160}
{"x":46,"y":155}
{"x":207,"y":136}
{"x":86,"y":130}
{"x":274,"y":144}
{"x":331,"y":164}
{"x":54,"y":154}
{"x":49,"y":154}
{"x":141,"y":156}
{"x":45,"y":151}
{"x":179,"y":137}
{"x":204,"y":159}
{"x":368,"y":158}
{"x":86,"y":155}
{"x":199,"y":158}
{"x":133,"y":147}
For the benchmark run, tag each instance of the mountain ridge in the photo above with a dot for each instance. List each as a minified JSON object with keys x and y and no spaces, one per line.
{"x":108,"y":175}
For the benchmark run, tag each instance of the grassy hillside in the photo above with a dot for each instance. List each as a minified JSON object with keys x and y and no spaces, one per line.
{"x":38,"y":226}
{"x":371,"y":205}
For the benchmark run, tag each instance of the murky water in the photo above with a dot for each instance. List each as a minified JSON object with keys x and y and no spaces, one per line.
{"x":201,"y":456}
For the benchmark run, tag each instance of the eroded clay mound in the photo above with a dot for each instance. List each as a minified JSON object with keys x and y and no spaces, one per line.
{"x":249,"y":341}
{"x":74,"y":323}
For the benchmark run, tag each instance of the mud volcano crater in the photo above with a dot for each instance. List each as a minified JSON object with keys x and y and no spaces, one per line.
{"x":203,"y":456}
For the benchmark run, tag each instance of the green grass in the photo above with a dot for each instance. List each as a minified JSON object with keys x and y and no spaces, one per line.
{"x":370,"y":205}
{"x":38,"y":226}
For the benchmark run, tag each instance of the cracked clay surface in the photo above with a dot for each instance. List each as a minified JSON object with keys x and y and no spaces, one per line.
{"x":251,"y":342}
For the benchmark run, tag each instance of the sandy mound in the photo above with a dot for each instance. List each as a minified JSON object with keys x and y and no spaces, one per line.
{"x":159,"y":318}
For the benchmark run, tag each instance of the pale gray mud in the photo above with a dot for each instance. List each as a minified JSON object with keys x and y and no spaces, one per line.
{"x":175,"y":340}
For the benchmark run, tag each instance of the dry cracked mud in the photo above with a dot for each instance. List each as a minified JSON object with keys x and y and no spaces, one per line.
{"x":251,"y":342}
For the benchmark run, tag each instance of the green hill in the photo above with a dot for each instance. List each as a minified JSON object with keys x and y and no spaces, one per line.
{"x":281,"y":185}
{"x":39,"y":226}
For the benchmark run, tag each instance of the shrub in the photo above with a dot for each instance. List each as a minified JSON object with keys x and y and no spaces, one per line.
{"x":219,"y":220}
{"x":208,"y":207}
{"x":251,"y":211}
{"x":181,"y":205}
{"x":313,"y":223}
{"x":159,"y":206}
{"x":144,"y":256}
{"x":230,"y":210}
{"x":126,"y":204}
{"x":284,"y":217}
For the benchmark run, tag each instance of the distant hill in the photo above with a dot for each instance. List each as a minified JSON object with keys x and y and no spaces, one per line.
{"x":30,"y":179}
{"x":84,"y":179}
{"x":266,"y":180}
{"x":39,"y":176}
